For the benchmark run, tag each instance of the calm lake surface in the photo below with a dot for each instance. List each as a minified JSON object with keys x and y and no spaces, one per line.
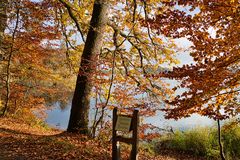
{"x":58,"y":118}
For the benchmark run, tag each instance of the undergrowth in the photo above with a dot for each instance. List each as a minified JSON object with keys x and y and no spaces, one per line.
{"x":203,"y":141}
{"x":30,"y":118}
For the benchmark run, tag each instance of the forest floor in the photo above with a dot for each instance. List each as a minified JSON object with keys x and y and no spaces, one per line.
{"x":21,"y":141}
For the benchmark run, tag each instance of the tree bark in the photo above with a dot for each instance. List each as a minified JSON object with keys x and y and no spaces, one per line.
{"x":219,"y":141}
{"x":9,"y":63}
{"x":78,"y":121}
{"x":3,"y":25}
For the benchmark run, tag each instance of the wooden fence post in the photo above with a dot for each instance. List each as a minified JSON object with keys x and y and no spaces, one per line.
{"x":135,"y":122}
{"x":125,"y":123}
{"x":114,"y":135}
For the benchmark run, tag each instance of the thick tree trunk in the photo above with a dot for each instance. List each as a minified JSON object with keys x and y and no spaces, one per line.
{"x":219,"y":141}
{"x":78,"y":121}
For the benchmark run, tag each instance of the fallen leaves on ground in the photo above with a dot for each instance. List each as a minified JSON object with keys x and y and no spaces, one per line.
{"x":21,"y":141}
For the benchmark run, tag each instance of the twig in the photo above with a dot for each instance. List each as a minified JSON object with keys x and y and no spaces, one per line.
{"x":68,"y":7}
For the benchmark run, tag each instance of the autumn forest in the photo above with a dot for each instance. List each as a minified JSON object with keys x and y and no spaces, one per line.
{"x":175,"y":57}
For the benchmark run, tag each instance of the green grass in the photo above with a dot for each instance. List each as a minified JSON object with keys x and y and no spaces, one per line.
{"x":231,"y":137}
{"x":203,"y":141}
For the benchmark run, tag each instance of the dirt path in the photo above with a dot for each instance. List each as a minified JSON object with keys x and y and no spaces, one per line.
{"x":20,"y":141}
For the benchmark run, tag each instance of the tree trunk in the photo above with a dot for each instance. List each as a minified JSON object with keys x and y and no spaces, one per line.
{"x":3,"y":25}
{"x":3,"y":19}
{"x":78,"y":121}
{"x":219,"y":141}
{"x":9,"y":63}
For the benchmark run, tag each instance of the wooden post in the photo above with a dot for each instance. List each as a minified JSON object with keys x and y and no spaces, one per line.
{"x":123,"y":122}
{"x":135,"y":122}
{"x":118,"y":151}
{"x":114,"y":135}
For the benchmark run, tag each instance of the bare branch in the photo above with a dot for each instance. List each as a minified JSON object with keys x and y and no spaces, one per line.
{"x":68,"y":7}
{"x":134,"y":10}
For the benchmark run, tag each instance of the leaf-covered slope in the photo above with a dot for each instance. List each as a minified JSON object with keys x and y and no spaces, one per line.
{"x":19,"y":140}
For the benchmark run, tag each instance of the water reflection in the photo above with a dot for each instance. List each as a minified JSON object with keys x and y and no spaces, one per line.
{"x":59,"y":116}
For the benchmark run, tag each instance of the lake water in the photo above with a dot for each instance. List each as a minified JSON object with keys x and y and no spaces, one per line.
{"x":59,"y":118}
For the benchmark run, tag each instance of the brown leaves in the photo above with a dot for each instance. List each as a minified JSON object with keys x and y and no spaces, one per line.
{"x":212,"y":84}
{"x":19,"y":140}
{"x":38,"y":67}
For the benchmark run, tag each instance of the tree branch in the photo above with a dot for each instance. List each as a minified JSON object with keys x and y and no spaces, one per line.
{"x":68,"y":7}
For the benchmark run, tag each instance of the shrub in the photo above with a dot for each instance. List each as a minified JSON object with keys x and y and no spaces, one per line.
{"x":231,"y":142}
{"x":197,"y":141}
{"x":147,"y":148}
{"x":203,"y":141}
